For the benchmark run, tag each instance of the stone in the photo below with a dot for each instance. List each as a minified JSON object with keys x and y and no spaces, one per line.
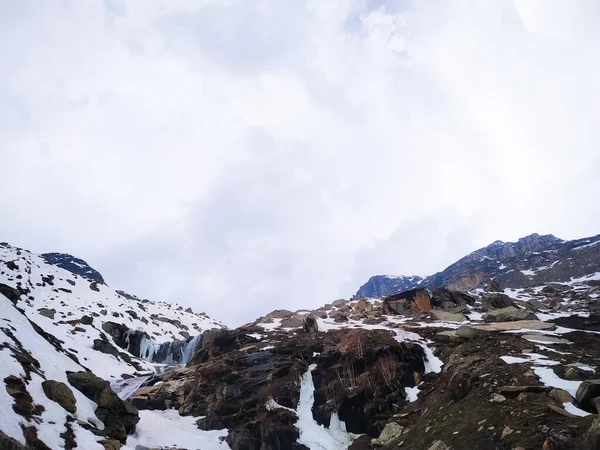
{"x":535,"y":305}
{"x":516,"y":389}
{"x":8,"y":443}
{"x":439,"y":445}
{"x":509,"y":314}
{"x":506,"y":432}
{"x":94,"y":286}
{"x":112,"y":444}
{"x":561,"y":411}
{"x":545,"y":339}
{"x":449,"y":336}
{"x":446,"y":316}
{"x":587,"y":390}
{"x":596,"y":404}
{"x":471,"y":331}
{"x":60,"y":393}
{"x":294,"y":321}
{"x":592,"y":436}
{"x":363,"y":306}
{"x":560,"y":395}
{"x":496,"y":301}
{"x":497,"y":398}
{"x":310,"y":324}
{"x":572,"y":373}
{"x":390,"y":432}
{"x":46,"y":312}
{"x":86,"y":320}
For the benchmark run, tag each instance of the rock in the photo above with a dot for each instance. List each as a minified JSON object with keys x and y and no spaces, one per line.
{"x":545,"y":339}
{"x":561,"y":411}
{"x":506,"y":432}
{"x":61,"y":394}
{"x":112,"y":444}
{"x":572,"y":373}
{"x":339,"y":316}
{"x":493,"y":286}
{"x":471,"y":331}
{"x":509,"y":314}
{"x":94,"y":286}
{"x":8,"y":443}
{"x":363,"y":306}
{"x":449,"y":336}
{"x":339,"y":303}
{"x":588,"y":390}
{"x":119,"y":417}
{"x":310,"y":324}
{"x":46,"y":312}
{"x":294,"y":321}
{"x":439,"y":445}
{"x":86,"y":320}
{"x":496,"y":301}
{"x":279,"y":314}
{"x":535,"y":305}
{"x":497,"y":398}
{"x":596,"y":403}
{"x":390,"y":432}
{"x":447,"y":316}
{"x":561,"y":395}
{"x":592,"y":436}
{"x":515,"y":389}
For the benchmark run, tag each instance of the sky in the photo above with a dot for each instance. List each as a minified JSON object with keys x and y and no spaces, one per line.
{"x":240,"y":156}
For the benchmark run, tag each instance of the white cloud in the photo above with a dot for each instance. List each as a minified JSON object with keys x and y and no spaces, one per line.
{"x":262,"y":154}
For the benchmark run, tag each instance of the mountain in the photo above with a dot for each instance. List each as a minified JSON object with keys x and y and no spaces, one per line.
{"x":531,"y":261}
{"x":59,"y":319}
{"x":382,"y":285}
{"x":74,"y":265}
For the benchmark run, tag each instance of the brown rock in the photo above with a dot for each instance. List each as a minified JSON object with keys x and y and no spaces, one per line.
{"x":561,"y":395}
{"x":61,"y":394}
{"x":561,"y":411}
{"x":46,"y":312}
{"x":111,"y":444}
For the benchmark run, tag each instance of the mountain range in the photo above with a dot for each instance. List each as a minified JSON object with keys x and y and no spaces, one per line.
{"x":531,"y":261}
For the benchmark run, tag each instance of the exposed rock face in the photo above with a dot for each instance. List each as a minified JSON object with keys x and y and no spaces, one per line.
{"x":74,"y":265}
{"x":384,"y":285}
{"x":310,"y":324}
{"x":119,"y":417}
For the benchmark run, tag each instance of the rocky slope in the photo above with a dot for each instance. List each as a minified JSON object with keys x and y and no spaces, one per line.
{"x":530,"y":261}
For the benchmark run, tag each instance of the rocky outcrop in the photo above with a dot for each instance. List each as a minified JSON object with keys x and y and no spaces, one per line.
{"x":510,"y":314}
{"x":74,"y":265}
{"x":384,"y":285}
{"x":119,"y":417}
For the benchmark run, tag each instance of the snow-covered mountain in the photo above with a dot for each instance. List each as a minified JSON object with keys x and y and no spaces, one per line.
{"x":59,"y":317}
{"x":530,"y":261}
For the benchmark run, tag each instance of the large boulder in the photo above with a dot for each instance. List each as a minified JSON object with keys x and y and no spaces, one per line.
{"x":588,"y":390}
{"x":310,"y":324}
{"x":61,"y":394}
{"x":119,"y":417}
{"x":447,"y":316}
{"x":390,"y":432}
{"x":509,"y":314}
{"x":495,"y":301}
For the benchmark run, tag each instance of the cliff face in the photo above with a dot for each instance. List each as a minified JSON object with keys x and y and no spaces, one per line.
{"x":382,"y":285}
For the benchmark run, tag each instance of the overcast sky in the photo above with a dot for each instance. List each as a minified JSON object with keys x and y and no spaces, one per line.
{"x":239,"y":156}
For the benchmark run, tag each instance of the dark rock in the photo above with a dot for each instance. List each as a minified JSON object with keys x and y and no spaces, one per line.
{"x":46,"y":312}
{"x":86,"y":320}
{"x":384,"y":285}
{"x":496,"y":301}
{"x":119,"y":417}
{"x":94,"y":286}
{"x":8,"y":443}
{"x":13,"y":294}
{"x":510,"y":314}
{"x":73,"y":265}
{"x":588,"y":390}
{"x":310,"y":324}
{"x":61,"y":394}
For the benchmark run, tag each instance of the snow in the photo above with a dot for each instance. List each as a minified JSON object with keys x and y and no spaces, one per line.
{"x":571,"y":408}
{"x":536,"y":358}
{"x":528,"y":273}
{"x":411,"y":393}
{"x":9,"y":420}
{"x":126,"y":388}
{"x":432,"y":362}
{"x":549,"y":378}
{"x":169,"y":429}
{"x":255,"y":335}
{"x":71,"y":296}
{"x":313,"y":435}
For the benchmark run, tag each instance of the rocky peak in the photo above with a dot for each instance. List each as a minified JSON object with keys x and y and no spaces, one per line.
{"x":382,"y":285}
{"x":74,"y":265}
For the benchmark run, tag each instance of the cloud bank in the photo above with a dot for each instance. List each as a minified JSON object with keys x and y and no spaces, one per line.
{"x":244,"y":155}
